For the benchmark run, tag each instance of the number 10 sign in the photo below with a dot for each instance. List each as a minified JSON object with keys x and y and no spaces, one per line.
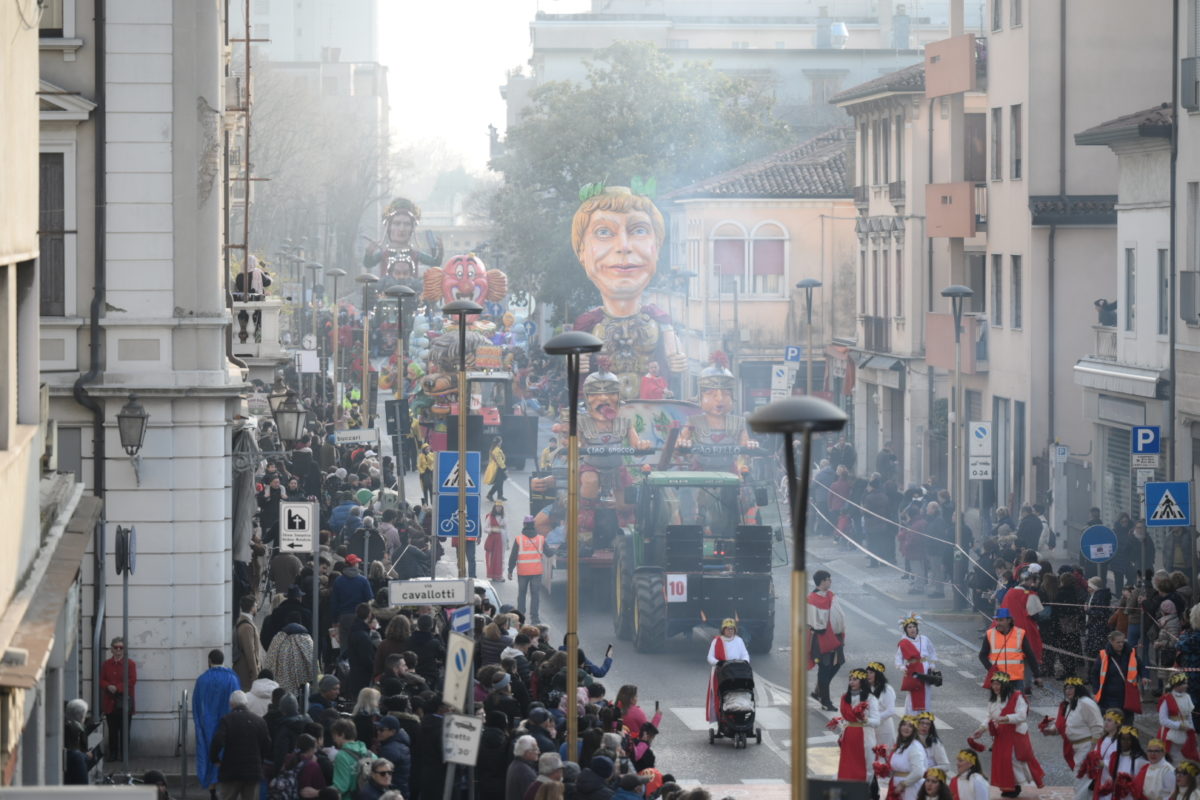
{"x":677,"y":588}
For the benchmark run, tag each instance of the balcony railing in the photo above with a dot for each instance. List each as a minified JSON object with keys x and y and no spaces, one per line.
{"x":896,"y":192}
{"x":861,"y":196}
{"x":981,"y":206}
{"x":256,"y":329}
{"x":1106,"y":342}
{"x":877,"y":334}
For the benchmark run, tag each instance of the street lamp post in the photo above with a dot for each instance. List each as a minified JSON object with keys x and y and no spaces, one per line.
{"x":573,"y":345}
{"x":958,"y":485}
{"x":289,"y":416}
{"x":132,"y":420}
{"x":808,"y":284}
{"x":367,"y":280}
{"x":399,"y":292}
{"x":462,"y":309}
{"x":335,"y":272}
{"x":805,"y":416}
{"x":310,"y":309}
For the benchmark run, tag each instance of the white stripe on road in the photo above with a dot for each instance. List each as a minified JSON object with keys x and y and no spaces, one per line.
{"x":966,"y":674}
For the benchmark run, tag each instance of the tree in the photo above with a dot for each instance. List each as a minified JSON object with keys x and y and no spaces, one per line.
{"x":638,"y":114}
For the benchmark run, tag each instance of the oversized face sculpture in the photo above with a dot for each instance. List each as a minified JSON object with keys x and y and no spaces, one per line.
{"x":464,"y":278}
{"x":604,"y":406}
{"x":619,"y":252}
{"x":400,"y":229}
{"x":717,"y":402}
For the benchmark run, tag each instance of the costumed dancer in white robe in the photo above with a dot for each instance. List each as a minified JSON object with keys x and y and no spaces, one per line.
{"x":1013,"y":759}
{"x":927,"y":735}
{"x":916,"y":657}
{"x":969,"y":783}
{"x":906,"y":763}
{"x":856,"y":726}
{"x":885,"y":734}
{"x":1175,"y":725}
{"x":1186,"y":777}
{"x":728,"y":646}
{"x":934,"y":786}
{"x":1156,"y":780}
{"x":1079,"y":724}
{"x":1118,"y":770}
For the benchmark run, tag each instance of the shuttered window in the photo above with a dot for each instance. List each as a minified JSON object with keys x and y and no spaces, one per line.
{"x":52,"y":235}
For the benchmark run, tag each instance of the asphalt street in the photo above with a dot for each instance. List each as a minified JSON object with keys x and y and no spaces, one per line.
{"x":676,"y":678}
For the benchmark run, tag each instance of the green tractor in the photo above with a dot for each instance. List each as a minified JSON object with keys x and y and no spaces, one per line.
{"x":691,"y":559}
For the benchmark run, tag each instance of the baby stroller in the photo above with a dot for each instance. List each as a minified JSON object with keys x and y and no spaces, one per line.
{"x":735,"y":704}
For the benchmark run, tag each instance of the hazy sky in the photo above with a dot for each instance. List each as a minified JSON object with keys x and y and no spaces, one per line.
{"x":446,"y":62}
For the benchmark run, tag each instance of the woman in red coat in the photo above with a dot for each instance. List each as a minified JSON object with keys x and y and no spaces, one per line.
{"x":493,"y":543}
{"x":112,"y":696}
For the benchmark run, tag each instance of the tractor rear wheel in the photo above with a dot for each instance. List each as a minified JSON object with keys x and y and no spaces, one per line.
{"x":650,"y":612}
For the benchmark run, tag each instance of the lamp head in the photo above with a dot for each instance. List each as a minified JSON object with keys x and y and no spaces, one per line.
{"x":367,"y":279}
{"x":808,"y":284}
{"x":314,"y":266}
{"x":399,"y":290}
{"x":797,"y":415}
{"x":572,"y":342}
{"x":461,"y":308}
{"x":132,"y":420}
{"x":336,"y":272}
{"x":958,"y":292}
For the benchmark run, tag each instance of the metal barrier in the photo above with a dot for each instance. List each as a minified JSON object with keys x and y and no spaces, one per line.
{"x":181,"y":744}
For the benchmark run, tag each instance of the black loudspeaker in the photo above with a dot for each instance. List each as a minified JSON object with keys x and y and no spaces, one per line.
{"x":685,"y":548}
{"x":752,"y":551}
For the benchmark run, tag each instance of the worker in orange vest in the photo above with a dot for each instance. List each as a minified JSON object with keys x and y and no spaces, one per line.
{"x":526,"y":558}
{"x":1115,"y":677}
{"x":1007,"y":649}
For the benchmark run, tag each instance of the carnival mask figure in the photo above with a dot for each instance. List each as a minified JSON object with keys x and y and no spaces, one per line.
{"x":465,"y":278}
{"x":718,"y":425}
{"x":398,"y":258}
{"x":616,"y":235}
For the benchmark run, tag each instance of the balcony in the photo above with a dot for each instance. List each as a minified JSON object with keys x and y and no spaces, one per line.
{"x":861,"y":197}
{"x":1106,"y":342}
{"x":981,"y":207}
{"x":256,"y":329}
{"x":896,"y":193}
{"x":877,"y":334}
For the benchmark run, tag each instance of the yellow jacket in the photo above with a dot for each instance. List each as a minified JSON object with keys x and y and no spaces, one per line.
{"x":425,"y":461}
{"x":497,"y":456}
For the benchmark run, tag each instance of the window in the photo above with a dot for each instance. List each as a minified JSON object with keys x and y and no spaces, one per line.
{"x":885,"y":145}
{"x":875,"y":158}
{"x":729,"y":258}
{"x":1164,"y":291}
{"x":863,"y":152}
{"x":1015,"y":13}
{"x":1015,"y":282}
{"x":885,"y":292}
{"x":768,"y":254}
{"x":50,"y":26}
{"x":975,"y":148}
{"x":899,"y":283}
{"x":997,"y":146}
{"x":862,"y":282}
{"x":1130,"y":288}
{"x":1193,"y":225}
{"x":1014,"y":135}
{"x":998,"y":290}
{"x":900,"y":148}
{"x":997,"y":15}
{"x":52,"y":233}
{"x":875,"y":283}
{"x":977,"y":281}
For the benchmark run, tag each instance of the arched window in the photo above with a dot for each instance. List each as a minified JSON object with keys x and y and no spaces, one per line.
{"x":729,"y":257}
{"x":768,"y":258}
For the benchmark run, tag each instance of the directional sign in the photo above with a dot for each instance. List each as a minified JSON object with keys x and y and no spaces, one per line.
{"x":1098,"y":544}
{"x":460,"y":738}
{"x":459,"y":670}
{"x":357,"y":436}
{"x":793,"y":353}
{"x":779,"y":377}
{"x":447,"y":471}
{"x":446,"y":592}
{"x":979,"y":439}
{"x":1168,"y":503}
{"x":297,"y":527}
{"x":447,"y":515}
{"x":461,"y":618}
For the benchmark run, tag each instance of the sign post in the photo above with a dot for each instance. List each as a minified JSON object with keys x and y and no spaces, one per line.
{"x":442,"y":592}
{"x":1145,"y":446}
{"x":1169,"y":504}
{"x":460,"y":739}
{"x":979,"y":451}
{"x":297,"y":527}
{"x":460,"y":658}
{"x":1098,"y":544}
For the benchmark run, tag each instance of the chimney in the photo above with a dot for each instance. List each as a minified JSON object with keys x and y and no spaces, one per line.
{"x":901,"y":29}
{"x":824,"y":26}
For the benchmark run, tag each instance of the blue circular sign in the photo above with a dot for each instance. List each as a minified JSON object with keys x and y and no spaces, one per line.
{"x":1098,"y":544}
{"x":460,"y":659}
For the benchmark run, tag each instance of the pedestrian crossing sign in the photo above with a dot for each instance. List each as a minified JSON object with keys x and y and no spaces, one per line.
{"x":1168,"y":504}
{"x":447,"y":472}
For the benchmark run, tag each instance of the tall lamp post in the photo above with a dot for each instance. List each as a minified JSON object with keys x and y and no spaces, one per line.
{"x":367,"y":280}
{"x":310,"y":310}
{"x":132,"y":420}
{"x":958,"y":485}
{"x":573,"y":345}
{"x":289,"y":416}
{"x":399,"y":292}
{"x":335,"y":273}
{"x":805,"y":416}
{"x":807,"y":285}
{"x":462,"y":309}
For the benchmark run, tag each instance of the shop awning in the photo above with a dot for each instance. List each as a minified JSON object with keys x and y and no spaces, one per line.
{"x":880,"y":362}
{"x":35,"y":634}
{"x":1109,"y":376}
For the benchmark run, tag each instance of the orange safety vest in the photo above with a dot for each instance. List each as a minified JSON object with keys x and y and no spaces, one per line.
{"x":529,"y":555}
{"x":1131,"y":670}
{"x":1007,"y":652}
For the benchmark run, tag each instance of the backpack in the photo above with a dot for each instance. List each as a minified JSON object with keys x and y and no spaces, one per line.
{"x":286,"y":783}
